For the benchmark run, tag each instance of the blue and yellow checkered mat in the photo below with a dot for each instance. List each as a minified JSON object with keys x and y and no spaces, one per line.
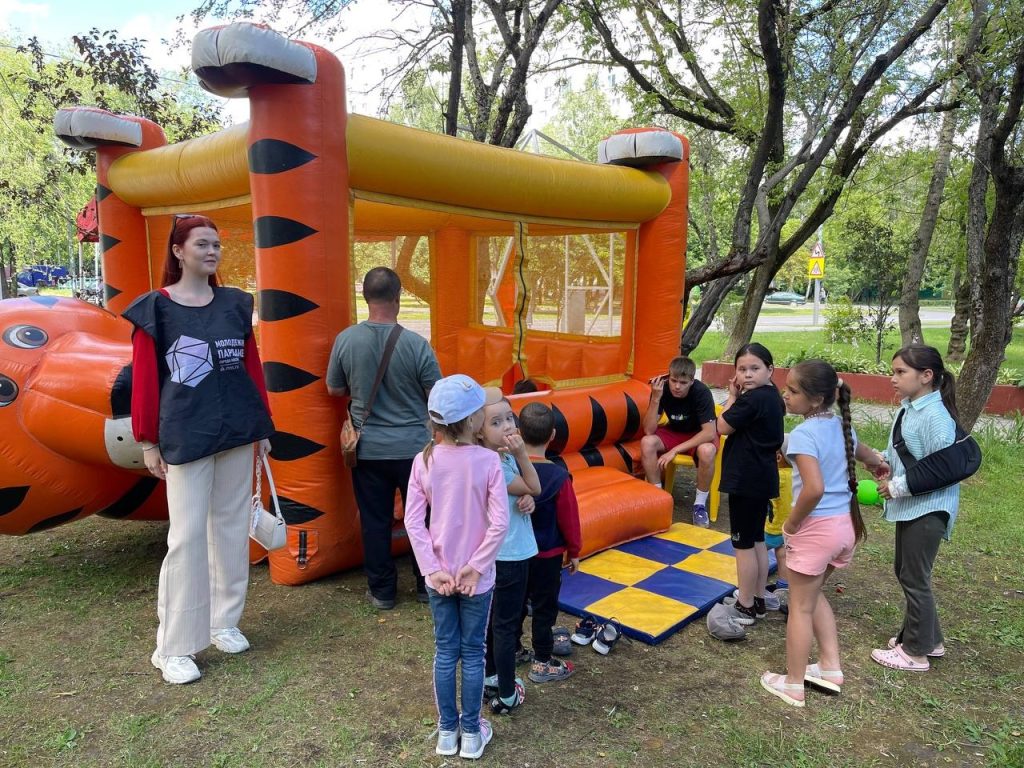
{"x":656,"y":585}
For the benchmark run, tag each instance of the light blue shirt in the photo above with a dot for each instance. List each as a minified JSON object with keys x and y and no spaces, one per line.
{"x":520,"y":543}
{"x":927,"y":427}
{"x":822,"y":438}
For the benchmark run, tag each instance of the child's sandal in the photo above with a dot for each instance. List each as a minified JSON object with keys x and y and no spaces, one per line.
{"x":826,"y":680}
{"x":776,"y":685}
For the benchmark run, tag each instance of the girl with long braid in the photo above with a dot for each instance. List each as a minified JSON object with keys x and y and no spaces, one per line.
{"x":824,"y":524}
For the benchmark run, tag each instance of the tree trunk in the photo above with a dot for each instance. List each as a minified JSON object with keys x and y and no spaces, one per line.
{"x":995,"y":146}
{"x":418,"y":288}
{"x":910,"y":307}
{"x":711,"y":298}
{"x":988,"y":345}
{"x":961,"y":316}
{"x":752,"y":302}
{"x":451,"y":112}
{"x":977,"y":214}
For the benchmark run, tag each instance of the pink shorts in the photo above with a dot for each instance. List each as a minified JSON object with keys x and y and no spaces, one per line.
{"x":819,"y":543}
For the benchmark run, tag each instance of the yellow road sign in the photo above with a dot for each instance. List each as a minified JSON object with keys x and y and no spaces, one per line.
{"x":816,"y":267}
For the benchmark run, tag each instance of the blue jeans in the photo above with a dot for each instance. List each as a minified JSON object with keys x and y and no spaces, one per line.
{"x":460,"y":628}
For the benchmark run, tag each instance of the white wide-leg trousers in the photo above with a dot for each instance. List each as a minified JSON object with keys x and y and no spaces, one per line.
{"x":204,"y":577}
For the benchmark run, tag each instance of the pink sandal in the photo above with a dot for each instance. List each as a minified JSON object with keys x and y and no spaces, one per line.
{"x":827,"y":680}
{"x":936,"y":653}
{"x":897,"y":658}
{"x":776,"y":685}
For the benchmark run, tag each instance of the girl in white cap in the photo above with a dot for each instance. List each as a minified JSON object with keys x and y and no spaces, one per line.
{"x":463,"y":485}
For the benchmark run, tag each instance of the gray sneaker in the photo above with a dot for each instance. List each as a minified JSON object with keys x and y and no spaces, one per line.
{"x":700,"y":516}
{"x":447,"y":742}
{"x":473,"y":744}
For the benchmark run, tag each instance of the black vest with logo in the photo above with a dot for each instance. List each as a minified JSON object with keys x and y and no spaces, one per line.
{"x":208,"y":401}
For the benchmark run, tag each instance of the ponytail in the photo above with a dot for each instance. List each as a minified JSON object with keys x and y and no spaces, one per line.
{"x":843,"y":399}
{"x":947,"y":388}
{"x":451,"y":431}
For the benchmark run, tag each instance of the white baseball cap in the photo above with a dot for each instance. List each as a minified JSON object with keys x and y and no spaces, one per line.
{"x":454,"y":398}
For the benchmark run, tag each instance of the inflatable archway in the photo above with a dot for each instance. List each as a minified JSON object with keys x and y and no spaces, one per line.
{"x":299,"y":188}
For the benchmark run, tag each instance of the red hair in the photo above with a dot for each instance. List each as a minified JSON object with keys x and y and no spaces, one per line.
{"x":182,"y":225}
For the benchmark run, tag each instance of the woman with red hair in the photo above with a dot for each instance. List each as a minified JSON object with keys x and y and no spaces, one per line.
{"x":199,"y":403}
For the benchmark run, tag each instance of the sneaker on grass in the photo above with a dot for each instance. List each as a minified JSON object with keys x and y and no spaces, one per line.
{"x":772,"y":601}
{"x":473,"y":744}
{"x":176,"y":670}
{"x":447,"y":742}
{"x":550,"y":671}
{"x":229,"y":640}
{"x":500,"y":706}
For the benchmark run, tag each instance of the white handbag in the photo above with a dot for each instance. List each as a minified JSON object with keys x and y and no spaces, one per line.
{"x":266,"y":528}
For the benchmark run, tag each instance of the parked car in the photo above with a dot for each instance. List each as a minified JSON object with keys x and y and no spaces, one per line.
{"x":785,"y":297}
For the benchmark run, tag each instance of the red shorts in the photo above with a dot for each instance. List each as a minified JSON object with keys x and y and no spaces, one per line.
{"x":819,"y":543}
{"x":671,"y":439}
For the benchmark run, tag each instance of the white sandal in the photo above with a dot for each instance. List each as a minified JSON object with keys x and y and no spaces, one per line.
{"x":776,"y":685}
{"x":827,"y":680}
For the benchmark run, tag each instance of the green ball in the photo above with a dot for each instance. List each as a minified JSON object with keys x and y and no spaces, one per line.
{"x":867,"y":493}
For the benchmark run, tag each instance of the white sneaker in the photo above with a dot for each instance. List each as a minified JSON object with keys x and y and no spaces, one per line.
{"x":176,"y":670}
{"x":473,"y":743}
{"x":448,"y":742}
{"x":229,"y":640}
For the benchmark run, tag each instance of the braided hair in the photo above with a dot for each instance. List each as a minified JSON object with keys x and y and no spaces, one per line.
{"x":816,"y":378}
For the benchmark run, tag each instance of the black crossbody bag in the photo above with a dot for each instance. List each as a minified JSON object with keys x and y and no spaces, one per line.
{"x":947,"y":466}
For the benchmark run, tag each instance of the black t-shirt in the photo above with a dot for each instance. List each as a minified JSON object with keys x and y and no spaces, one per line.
{"x":749,"y":465}
{"x":688,"y":414}
{"x":208,"y":401}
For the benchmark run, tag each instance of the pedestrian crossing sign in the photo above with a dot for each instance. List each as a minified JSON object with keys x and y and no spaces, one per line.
{"x":816,"y":267}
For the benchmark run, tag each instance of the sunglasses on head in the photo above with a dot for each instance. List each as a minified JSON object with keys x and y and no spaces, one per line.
{"x":179,"y":216}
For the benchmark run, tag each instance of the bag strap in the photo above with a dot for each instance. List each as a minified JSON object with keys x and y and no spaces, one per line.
{"x":897,"y":442}
{"x":389,"y":348}
{"x":264,"y":464}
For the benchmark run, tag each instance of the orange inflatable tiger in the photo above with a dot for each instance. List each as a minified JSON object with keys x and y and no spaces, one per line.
{"x":295,"y":193}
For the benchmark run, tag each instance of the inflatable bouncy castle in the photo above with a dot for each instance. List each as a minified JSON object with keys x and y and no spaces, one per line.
{"x":568,"y":273}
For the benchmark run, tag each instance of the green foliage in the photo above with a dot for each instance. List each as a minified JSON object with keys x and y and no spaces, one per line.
{"x":728,"y":315}
{"x":583,"y":119}
{"x":842,"y":361}
{"x":43,"y":185}
{"x":845,"y":323}
{"x":879,"y":254}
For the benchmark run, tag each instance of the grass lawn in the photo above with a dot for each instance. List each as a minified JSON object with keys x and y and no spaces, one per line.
{"x":330,"y":682}
{"x":785,"y":343}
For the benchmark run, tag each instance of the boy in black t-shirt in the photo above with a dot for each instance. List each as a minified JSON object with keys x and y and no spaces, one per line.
{"x":689,"y":410}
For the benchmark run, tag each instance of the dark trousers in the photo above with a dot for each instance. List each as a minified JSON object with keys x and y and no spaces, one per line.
{"x":545,"y":582}
{"x":917,"y":544}
{"x":510,"y":582}
{"x":374,"y":482}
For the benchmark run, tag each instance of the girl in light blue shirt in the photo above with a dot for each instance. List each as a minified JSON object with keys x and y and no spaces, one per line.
{"x":928,"y":394}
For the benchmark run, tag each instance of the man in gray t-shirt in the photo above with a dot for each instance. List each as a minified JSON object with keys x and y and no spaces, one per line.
{"x":397,"y":428}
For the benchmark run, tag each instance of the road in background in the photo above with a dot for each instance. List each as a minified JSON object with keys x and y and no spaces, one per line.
{"x":801,"y":319}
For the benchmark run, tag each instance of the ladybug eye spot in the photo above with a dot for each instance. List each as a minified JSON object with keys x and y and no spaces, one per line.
{"x":8,"y":391}
{"x":25,"y":336}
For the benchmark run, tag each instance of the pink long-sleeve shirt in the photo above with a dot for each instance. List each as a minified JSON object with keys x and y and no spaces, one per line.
{"x":465,"y":490}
